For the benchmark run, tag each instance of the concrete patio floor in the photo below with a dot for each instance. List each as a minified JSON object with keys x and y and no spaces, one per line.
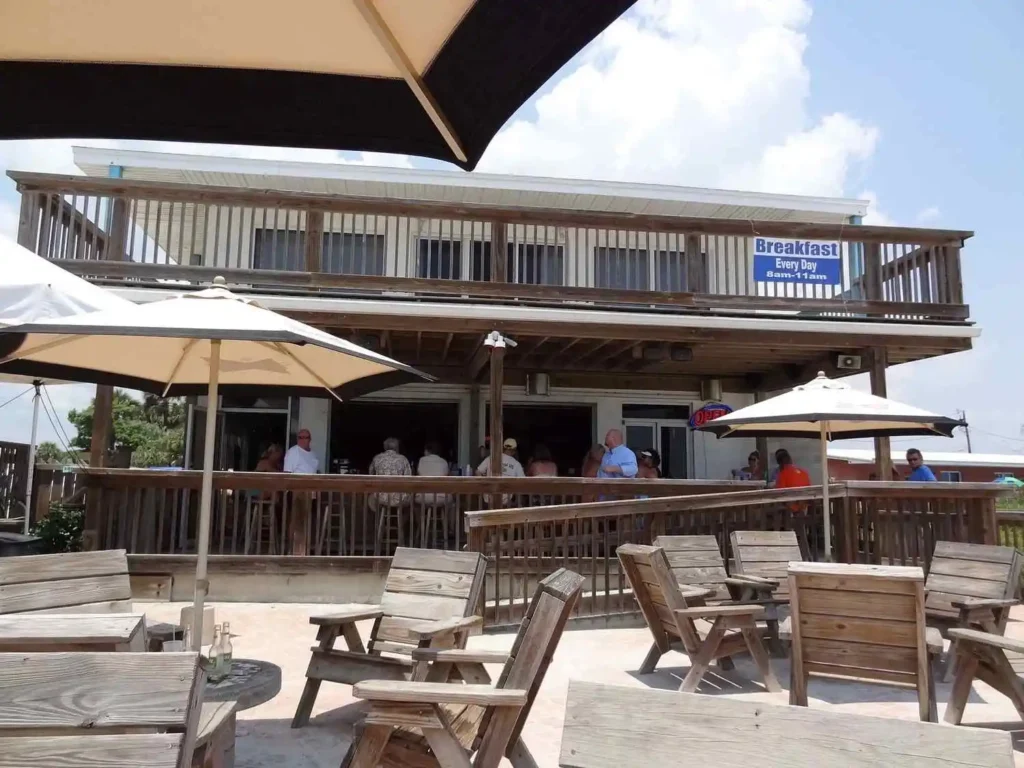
{"x":281,"y":633}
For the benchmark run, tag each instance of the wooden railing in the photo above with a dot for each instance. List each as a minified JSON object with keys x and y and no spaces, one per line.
{"x":1011,"y":528}
{"x":155,"y":511}
{"x":882,"y":523}
{"x":118,"y":230}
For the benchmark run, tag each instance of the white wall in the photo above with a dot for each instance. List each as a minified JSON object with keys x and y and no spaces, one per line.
{"x":714,"y":459}
{"x":315,"y":415}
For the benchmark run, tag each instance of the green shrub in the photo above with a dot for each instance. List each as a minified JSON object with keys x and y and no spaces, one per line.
{"x":61,"y":529}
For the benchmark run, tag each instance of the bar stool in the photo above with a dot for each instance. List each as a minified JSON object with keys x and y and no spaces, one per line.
{"x":434,"y":516}
{"x":390,"y":520}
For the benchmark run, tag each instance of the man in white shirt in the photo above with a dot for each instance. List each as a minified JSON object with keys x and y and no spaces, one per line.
{"x":300,"y":458}
{"x":510,"y":466}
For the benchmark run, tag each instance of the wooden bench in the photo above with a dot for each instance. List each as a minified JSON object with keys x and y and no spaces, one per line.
{"x":70,"y":582}
{"x":430,"y":600}
{"x":971,"y":586}
{"x":84,"y":710}
{"x":864,"y":622}
{"x":611,"y":727}
{"x":672,"y":614}
{"x":427,"y":723}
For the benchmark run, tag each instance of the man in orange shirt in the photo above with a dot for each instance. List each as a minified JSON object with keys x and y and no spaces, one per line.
{"x":791,"y":476}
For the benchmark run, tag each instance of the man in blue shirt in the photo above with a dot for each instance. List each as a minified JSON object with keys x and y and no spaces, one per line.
{"x":919,"y":471}
{"x":618,"y":460}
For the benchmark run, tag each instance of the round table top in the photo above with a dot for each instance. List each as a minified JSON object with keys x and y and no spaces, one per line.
{"x":251,"y":682}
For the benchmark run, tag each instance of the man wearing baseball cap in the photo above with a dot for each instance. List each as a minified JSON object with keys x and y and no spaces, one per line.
{"x":510,"y":466}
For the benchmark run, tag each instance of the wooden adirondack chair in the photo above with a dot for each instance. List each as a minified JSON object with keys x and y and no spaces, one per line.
{"x":996,"y":659}
{"x":429,"y":600}
{"x":425,"y":723}
{"x":83,"y":710}
{"x":764,"y":557}
{"x":611,"y":727}
{"x":672,"y":613}
{"x":861,"y":621}
{"x":971,"y":586}
{"x":70,"y":582}
{"x":697,"y":561}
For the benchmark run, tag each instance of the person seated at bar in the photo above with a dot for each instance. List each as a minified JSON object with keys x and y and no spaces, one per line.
{"x":300,"y":458}
{"x":542,"y":465}
{"x":389,"y":462}
{"x":432,"y":464}
{"x":510,"y":466}
{"x":592,"y":461}
{"x":271,"y":460}
{"x":618,"y":461}
{"x":919,"y":471}
{"x":649,"y":464}
{"x":753,"y":469}
{"x":790,"y":475}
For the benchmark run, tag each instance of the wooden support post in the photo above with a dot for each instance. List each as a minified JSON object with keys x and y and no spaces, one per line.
{"x":314,"y":241}
{"x":762,"y":443}
{"x":696,"y":279}
{"x":28,"y":221}
{"x":499,"y":252}
{"x":102,"y":432}
{"x":883,"y":455}
{"x":497,"y":379}
{"x":117,"y":240}
{"x":873,"y":271}
{"x":474,"y":425}
{"x":301,"y":503}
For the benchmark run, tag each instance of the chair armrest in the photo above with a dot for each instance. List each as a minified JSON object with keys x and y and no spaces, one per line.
{"x":987,"y":638}
{"x":742,"y":579}
{"x":428,"y":630}
{"x":970,"y":603}
{"x":439,"y":693}
{"x":713,"y":611}
{"x":692,"y":592}
{"x":459,"y":655}
{"x":348,"y":613}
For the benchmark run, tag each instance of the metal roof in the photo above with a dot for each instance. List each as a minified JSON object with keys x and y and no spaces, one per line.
{"x":470,"y":188}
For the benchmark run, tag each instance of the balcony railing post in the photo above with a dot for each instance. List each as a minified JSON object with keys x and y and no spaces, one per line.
{"x":118,"y":240}
{"x":499,"y":252}
{"x":28,"y":221}
{"x":873,"y":271}
{"x":314,"y":241}
{"x":696,"y":267}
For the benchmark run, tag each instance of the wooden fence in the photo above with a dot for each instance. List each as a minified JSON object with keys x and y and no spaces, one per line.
{"x":884,"y":523}
{"x":13,"y":478}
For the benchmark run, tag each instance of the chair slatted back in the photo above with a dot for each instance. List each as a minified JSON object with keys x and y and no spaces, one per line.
{"x":766,"y":554}
{"x":528,"y":661}
{"x":427,"y":585}
{"x":859,"y":621}
{"x":657,"y":592}
{"x":612,"y":726}
{"x":71,"y":582}
{"x":961,"y":571}
{"x":696,"y":561}
{"x":81,"y":710}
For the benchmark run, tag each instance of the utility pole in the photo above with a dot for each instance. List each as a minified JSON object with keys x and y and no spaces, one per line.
{"x":967,"y":429}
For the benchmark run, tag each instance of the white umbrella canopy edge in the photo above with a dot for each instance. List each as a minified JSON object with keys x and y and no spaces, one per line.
{"x":173,"y":335}
{"x":828,"y":409}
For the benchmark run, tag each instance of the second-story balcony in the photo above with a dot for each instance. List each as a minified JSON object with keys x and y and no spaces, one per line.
{"x":274,"y":240}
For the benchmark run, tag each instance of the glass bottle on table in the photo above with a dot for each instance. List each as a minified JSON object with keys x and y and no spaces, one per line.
{"x":215,"y":668}
{"x":226,"y":650}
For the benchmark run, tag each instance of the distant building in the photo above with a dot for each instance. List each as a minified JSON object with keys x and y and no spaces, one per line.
{"x":859,"y":464}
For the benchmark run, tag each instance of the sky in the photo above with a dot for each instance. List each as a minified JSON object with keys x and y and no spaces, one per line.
{"x":917,"y":111}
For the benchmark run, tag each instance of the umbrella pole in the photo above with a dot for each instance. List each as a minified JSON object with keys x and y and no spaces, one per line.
{"x":825,"y":506}
{"x":31,"y":456}
{"x":206,"y":498}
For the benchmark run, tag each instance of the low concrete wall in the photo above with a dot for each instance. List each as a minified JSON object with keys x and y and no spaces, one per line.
{"x":261,"y":579}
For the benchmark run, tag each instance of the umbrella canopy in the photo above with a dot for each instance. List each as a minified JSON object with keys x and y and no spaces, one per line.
{"x":436,"y":78}
{"x":165,"y":347}
{"x":847,"y":412}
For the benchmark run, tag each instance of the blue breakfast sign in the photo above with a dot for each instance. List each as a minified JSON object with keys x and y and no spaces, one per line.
{"x":781,"y":260}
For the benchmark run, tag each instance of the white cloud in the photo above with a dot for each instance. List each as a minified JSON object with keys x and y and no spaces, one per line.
{"x":691,"y":93}
{"x":875,"y":215}
{"x":928,"y":215}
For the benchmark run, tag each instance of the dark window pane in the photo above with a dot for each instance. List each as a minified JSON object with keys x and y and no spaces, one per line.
{"x":440,"y":259}
{"x":621,"y":268}
{"x":351,"y":254}
{"x":535,"y":265}
{"x":283,"y":249}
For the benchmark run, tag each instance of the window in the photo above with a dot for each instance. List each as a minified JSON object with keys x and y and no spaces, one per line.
{"x":1002,"y":475}
{"x":621,"y":268}
{"x":949,"y":476}
{"x":440,"y":259}
{"x":343,"y":253}
{"x":537,"y":264}
{"x":673,"y":271}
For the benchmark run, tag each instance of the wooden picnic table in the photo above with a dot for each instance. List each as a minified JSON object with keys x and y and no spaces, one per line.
{"x":69,"y":632}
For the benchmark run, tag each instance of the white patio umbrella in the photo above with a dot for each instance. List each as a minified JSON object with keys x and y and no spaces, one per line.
{"x":829,"y":410}
{"x":209,"y":338}
{"x":33,"y":290}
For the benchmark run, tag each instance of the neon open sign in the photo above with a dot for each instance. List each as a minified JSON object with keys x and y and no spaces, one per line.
{"x":707,"y":413}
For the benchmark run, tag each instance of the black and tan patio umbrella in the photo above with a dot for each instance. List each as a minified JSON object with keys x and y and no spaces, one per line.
{"x":436,"y":78}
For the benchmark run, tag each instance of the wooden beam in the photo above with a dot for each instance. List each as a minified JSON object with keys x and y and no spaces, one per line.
{"x":528,"y":351}
{"x":28,"y":220}
{"x":883,"y":448}
{"x":447,"y":346}
{"x":586,"y":353}
{"x":618,"y":350}
{"x":385,"y":342}
{"x":412,"y":78}
{"x":553,"y":357}
{"x":419,"y":345}
{"x":497,"y":412}
{"x":499,"y":252}
{"x":314,"y":241}
{"x":761,"y":443}
{"x":102,"y":433}
{"x":478,"y":360}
